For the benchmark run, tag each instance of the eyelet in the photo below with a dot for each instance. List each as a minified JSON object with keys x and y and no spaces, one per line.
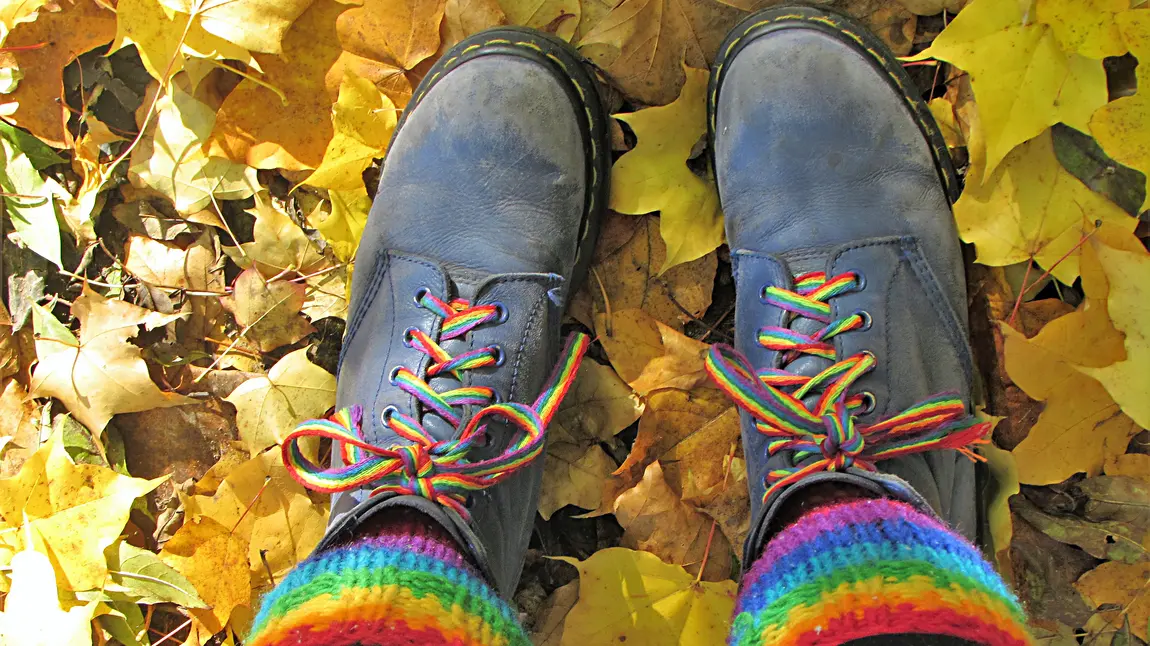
{"x":394,"y":375}
{"x":868,"y":353}
{"x":386,"y":414}
{"x":860,"y":279}
{"x":419,"y":294}
{"x":867,"y":320}
{"x":408,"y":336}
{"x":497,"y":397}
{"x":763,"y":294}
{"x":501,"y":310}
{"x":869,"y":402}
{"x":500,"y":355}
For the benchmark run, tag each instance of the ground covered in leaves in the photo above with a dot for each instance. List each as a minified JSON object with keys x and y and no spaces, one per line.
{"x":184,"y":184}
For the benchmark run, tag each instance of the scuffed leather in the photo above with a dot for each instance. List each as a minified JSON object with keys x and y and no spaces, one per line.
{"x":821,"y":167}
{"x":481,"y":197}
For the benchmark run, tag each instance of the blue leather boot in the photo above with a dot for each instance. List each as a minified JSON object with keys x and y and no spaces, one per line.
{"x":485,"y":219}
{"x":851,"y":362}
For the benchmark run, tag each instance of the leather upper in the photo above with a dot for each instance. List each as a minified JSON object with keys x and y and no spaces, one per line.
{"x":822,"y":165}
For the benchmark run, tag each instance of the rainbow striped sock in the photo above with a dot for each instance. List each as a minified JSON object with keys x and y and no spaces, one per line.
{"x":408,"y":584}
{"x":873,"y":567}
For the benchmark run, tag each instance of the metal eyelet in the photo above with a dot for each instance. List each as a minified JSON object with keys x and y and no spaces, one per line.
{"x":763,"y":294}
{"x":394,"y":375}
{"x":500,"y":355}
{"x":869,"y":402}
{"x":860,"y":279}
{"x":868,"y":353}
{"x":497,"y":397}
{"x":408,"y":336}
{"x":501,"y":310}
{"x":867,"y":320}
{"x":385,"y":415}
{"x":419,"y":294}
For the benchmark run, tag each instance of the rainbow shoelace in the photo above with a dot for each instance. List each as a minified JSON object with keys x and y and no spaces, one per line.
{"x":828,"y":431}
{"x":438,"y":471}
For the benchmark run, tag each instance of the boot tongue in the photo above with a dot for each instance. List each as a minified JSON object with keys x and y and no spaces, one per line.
{"x":806,"y":365}
{"x":465,"y":285}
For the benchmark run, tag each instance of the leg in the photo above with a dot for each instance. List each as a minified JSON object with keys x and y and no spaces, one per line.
{"x":850,"y":362}
{"x":487,"y":213}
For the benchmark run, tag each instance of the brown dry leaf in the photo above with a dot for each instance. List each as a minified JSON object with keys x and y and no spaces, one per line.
{"x":255,"y":25}
{"x":1132,"y":465}
{"x":19,"y":427}
{"x":559,"y":17}
{"x":462,"y":18}
{"x":625,"y":274}
{"x":257,"y":127}
{"x":725,"y":501}
{"x":598,"y":406}
{"x":279,"y":244}
{"x":655,"y":520}
{"x":398,"y":32}
{"x":642,"y":45}
{"x":1121,"y":584}
{"x":550,"y":620}
{"x":268,"y":408}
{"x":282,"y":524}
{"x":77,"y":26}
{"x":933,"y":7}
{"x":649,"y":355}
{"x":327,"y":295}
{"x":215,"y":560}
{"x":102,"y":373}
{"x":269,"y":311}
{"x":56,"y":496}
{"x":167,"y":265}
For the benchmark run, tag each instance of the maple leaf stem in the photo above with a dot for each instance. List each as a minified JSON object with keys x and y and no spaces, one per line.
{"x":23,"y":48}
{"x":251,"y":504}
{"x":173,"y":633}
{"x":714,"y":523}
{"x":1038,"y":281}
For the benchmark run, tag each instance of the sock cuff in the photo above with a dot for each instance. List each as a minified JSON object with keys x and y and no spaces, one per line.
{"x":872,"y":567}
{"x":405,"y":585}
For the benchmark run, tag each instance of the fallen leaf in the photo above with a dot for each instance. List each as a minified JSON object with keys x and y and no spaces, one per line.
{"x":645,"y":46}
{"x":1106,"y":540}
{"x":933,"y":7}
{"x":1023,"y":80}
{"x":559,"y":17}
{"x":1123,"y":584}
{"x":295,"y":134}
{"x":142,"y":574}
{"x":399,"y":32}
{"x":1133,"y":465}
{"x":943,"y":111}
{"x":19,"y":427}
{"x":1082,"y":157}
{"x":327,"y":295}
{"x":53,"y":41}
{"x":169,"y":266}
{"x":627,"y":273}
{"x":1003,"y":486}
{"x":15,"y":13}
{"x":655,"y":520}
{"x":102,"y":373}
{"x":32,"y":614}
{"x":633,"y":597}
{"x":56,"y":496}
{"x":462,"y":18}
{"x":30,"y":202}
{"x":256,"y":25}
{"x":172,"y":161}
{"x":1032,"y":208}
{"x":598,"y":406}
{"x":654,"y":175}
{"x":279,"y":245}
{"x":551,"y":619}
{"x":268,"y":408}
{"x":268,"y":311}
{"x":1085,"y":26}
{"x":1119,"y":499}
{"x":167,"y":39}
{"x":1128,"y":304}
{"x":343,"y":223}
{"x":363,"y":118}
{"x":724,"y":501}
{"x":215,"y":561}
{"x":1119,"y":126}
{"x":649,"y":355}
{"x":271,"y":512}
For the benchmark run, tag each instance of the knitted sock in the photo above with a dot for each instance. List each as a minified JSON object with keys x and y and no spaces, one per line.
{"x":405,"y":583}
{"x":873,"y":567}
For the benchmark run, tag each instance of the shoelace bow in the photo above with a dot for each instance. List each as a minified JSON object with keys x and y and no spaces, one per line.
{"x":438,"y":471}
{"x":828,"y":430}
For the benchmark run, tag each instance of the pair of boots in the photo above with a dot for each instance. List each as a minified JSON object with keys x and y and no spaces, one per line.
{"x":850,"y":317}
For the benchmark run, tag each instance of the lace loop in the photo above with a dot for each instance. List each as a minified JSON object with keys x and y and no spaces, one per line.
{"x":436,"y":470}
{"x":828,"y":431}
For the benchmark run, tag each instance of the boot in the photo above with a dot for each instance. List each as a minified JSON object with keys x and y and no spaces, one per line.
{"x":851,"y":363}
{"x":485,"y":220}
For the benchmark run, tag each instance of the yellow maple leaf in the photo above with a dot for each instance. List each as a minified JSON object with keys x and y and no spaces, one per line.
{"x":101,"y":373}
{"x":1023,"y":80}
{"x":1032,"y":208}
{"x":633,"y":597}
{"x":1128,"y":303}
{"x":654,"y":175}
{"x":559,"y":17}
{"x":166,"y":39}
{"x":343,"y":224}
{"x":268,"y":408}
{"x":214,"y":560}
{"x":279,"y":245}
{"x":363,"y":119}
{"x":32,"y":614}
{"x":1122,"y":586}
{"x":1085,"y":26}
{"x":268,"y":310}
{"x":598,"y":406}
{"x":1120,"y":126}
{"x":256,"y":25}
{"x":74,"y":511}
